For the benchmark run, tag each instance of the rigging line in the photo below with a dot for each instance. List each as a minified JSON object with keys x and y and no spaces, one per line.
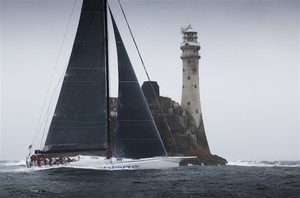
{"x":148,"y":77}
{"x":38,"y":127}
{"x":44,"y":131}
{"x":46,"y":118}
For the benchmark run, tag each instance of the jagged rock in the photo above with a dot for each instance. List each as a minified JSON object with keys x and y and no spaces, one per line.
{"x":204,"y":160}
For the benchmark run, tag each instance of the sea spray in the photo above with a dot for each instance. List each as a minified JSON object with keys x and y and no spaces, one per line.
{"x":265,"y":163}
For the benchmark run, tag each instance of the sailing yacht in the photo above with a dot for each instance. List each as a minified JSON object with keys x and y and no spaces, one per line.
{"x":80,"y":124}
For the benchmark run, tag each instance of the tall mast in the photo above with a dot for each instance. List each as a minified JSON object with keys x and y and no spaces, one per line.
{"x":107,"y":74}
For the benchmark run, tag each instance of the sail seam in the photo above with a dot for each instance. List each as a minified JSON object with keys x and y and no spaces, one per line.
{"x":128,"y":81}
{"x":88,"y":42}
{"x":135,"y":120}
{"x":147,"y":139}
{"x":97,"y":68}
{"x":91,"y":12}
{"x":73,"y":81}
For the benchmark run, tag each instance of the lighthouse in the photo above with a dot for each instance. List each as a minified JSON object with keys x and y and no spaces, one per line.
{"x":190,"y":99}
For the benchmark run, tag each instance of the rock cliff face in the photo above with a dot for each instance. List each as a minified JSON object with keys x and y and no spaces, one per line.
{"x":180,"y":136}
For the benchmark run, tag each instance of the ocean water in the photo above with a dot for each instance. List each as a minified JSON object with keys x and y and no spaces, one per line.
{"x":237,"y":179}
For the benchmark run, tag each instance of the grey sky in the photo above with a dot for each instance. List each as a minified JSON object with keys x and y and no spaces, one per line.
{"x":249,"y":67}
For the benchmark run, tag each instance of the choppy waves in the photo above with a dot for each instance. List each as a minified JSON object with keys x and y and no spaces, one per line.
{"x":259,"y":179}
{"x":13,"y":163}
{"x":265,"y":163}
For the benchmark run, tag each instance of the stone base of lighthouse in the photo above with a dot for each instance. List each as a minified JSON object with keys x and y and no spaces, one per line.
{"x":197,"y":131}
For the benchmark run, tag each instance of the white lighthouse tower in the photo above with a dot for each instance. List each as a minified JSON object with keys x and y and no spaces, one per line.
{"x":190,"y":99}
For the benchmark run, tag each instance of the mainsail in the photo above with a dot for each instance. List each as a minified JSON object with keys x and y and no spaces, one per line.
{"x":137,"y":135}
{"x":79,"y":123}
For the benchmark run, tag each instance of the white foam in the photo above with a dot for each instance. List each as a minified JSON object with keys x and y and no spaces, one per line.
{"x":265,"y":163}
{"x":13,"y":163}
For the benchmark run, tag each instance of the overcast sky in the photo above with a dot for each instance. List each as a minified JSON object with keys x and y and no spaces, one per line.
{"x":249,"y":67}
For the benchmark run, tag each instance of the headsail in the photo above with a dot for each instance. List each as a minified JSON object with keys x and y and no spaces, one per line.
{"x":137,"y":134}
{"x":80,"y":120}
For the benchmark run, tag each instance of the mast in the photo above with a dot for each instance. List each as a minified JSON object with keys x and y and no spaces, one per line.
{"x":107,"y":75}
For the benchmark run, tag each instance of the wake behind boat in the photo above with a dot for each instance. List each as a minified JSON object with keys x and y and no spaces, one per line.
{"x":80,"y":125}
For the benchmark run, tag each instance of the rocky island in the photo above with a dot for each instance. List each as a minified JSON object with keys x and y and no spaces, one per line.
{"x":180,"y":135}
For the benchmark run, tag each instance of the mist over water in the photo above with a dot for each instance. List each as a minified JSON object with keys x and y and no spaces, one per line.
{"x":238,"y":179}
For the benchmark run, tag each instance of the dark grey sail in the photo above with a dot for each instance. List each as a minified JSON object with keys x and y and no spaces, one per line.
{"x":79,"y":124}
{"x":137,"y":135}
